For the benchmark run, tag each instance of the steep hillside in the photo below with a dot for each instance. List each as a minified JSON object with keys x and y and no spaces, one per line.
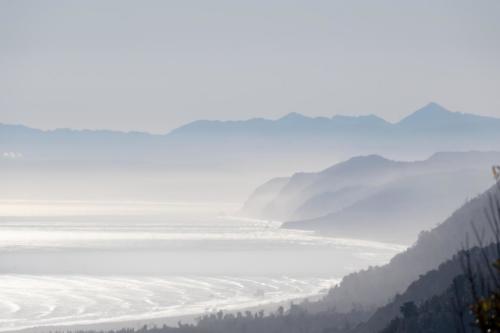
{"x":263,"y":194}
{"x":434,"y":283}
{"x":362,"y":171}
{"x":399,"y":210}
{"x":374,"y":287}
{"x":373,"y":197}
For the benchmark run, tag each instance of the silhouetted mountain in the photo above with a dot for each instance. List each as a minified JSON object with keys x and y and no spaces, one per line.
{"x":437,"y":314}
{"x":295,"y":122}
{"x":376,"y":286}
{"x":434,"y":117}
{"x":358,"y":171}
{"x":67,"y":144}
{"x":430,"y":117}
{"x":241,"y":153}
{"x":434,"y":283}
{"x":399,"y":210}
{"x":265,"y":193}
{"x":295,"y":137}
{"x":373,"y":197}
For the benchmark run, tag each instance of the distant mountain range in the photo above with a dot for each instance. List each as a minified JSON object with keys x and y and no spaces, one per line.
{"x":431,"y":117}
{"x":293,"y":136}
{"x":373,"y":197}
{"x":234,"y":154}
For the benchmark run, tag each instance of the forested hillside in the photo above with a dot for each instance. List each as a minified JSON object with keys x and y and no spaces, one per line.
{"x":431,"y":249}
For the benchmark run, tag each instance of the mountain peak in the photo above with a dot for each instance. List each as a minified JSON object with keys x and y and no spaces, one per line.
{"x":373,"y":158}
{"x":293,"y":116}
{"x":433,"y":107}
{"x":429,"y":113}
{"x":363,"y":162}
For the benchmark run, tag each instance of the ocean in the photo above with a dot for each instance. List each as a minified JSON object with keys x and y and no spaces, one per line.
{"x":86,"y":262}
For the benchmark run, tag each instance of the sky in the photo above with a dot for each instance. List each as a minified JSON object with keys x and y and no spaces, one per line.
{"x":155,"y":65}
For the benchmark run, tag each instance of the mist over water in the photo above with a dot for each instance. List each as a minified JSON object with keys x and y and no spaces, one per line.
{"x":164,"y":161}
{"x":78,"y":262}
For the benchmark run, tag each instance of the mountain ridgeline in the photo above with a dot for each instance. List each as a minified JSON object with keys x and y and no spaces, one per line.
{"x":374,"y":198}
{"x":232,"y":156}
{"x":292,"y":135}
{"x":432,"y":248}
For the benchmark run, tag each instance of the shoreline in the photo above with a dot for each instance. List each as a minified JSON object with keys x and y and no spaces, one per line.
{"x":171,"y":321}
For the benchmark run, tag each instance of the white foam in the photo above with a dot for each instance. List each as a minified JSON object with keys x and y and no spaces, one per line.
{"x":174,"y":229}
{"x":84,"y":299}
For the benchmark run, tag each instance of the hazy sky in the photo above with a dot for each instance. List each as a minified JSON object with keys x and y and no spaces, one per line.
{"x":153,"y":65}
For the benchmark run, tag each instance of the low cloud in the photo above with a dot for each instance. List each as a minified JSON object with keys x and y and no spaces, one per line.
{"x":11,"y":155}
